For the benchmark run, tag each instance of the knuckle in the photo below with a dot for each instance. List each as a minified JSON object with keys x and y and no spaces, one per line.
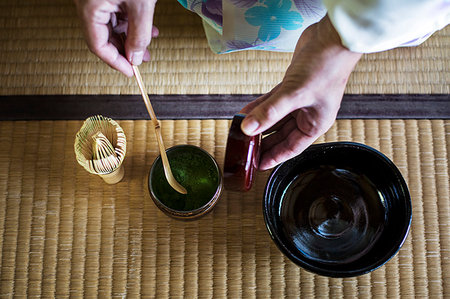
{"x":95,"y":48}
{"x":139,"y":42}
{"x":88,"y":11}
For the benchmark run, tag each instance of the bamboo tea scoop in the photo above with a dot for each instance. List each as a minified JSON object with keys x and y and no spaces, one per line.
{"x":167,"y":171}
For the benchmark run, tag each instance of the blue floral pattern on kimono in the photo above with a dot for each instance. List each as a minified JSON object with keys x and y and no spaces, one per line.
{"x":271,"y":25}
{"x":271,"y":16}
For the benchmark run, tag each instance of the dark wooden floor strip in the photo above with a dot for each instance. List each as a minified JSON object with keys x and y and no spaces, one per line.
{"x":79,"y":107}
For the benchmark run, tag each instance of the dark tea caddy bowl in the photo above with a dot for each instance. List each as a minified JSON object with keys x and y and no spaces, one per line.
{"x":338,"y":209}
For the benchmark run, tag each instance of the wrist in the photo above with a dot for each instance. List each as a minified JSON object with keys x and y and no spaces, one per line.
{"x":330,"y":41}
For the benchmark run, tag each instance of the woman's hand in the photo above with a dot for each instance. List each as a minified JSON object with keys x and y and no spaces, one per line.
{"x":305,"y":104}
{"x":103,"y":22}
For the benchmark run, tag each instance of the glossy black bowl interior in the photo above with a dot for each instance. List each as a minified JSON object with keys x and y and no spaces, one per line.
{"x":339,"y":209}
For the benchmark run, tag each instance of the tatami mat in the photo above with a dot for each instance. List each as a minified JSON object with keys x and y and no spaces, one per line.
{"x":42,"y":51}
{"x":63,"y":232}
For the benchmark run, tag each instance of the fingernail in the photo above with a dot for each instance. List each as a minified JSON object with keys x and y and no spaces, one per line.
{"x":155,"y":32}
{"x":249,"y":125}
{"x":136,"y":57}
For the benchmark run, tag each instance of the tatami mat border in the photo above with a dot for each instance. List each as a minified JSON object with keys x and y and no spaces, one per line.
{"x":78,"y":107}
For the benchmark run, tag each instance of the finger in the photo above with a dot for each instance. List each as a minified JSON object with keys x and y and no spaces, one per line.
{"x":146,"y":56}
{"x":122,"y":28}
{"x":299,"y":132}
{"x":140,"y":20}
{"x":269,"y":112}
{"x":117,"y":41}
{"x":295,"y":143}
{"x":279,"y":125}
{"x":279,"y":135}
{"x":97,"y":32}
{"x":155,"y":31}
{"x":97,"y":40}
{"x":250,"y":106}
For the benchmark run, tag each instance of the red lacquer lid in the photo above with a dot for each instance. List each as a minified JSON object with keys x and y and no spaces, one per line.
{"x":241,"y":157}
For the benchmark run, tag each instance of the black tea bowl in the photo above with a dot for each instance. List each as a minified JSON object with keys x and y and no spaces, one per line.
{"x":338,"y":209}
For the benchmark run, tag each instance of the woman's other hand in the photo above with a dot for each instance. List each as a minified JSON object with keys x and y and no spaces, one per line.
{"x":305,"y":104}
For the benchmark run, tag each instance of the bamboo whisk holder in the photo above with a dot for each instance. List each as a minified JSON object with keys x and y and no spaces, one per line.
{"x":100,"y":147}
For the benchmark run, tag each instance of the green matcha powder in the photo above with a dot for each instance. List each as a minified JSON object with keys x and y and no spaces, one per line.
{"x":194,"y":170}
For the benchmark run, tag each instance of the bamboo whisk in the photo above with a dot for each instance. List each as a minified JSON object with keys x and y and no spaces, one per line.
{"x":100,"y":147}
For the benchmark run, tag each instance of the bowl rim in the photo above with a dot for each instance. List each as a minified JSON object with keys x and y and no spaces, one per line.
{"x":187,"y":213}
{"x":322,"y":270}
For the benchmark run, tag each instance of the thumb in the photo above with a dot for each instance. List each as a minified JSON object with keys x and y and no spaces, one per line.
{"x":268,"y":113}
{"x":139,"y":33}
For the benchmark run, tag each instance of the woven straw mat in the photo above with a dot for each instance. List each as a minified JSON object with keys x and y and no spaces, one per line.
{"x":64,"y":232}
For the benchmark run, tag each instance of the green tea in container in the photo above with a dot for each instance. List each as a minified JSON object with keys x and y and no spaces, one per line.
{"x":197,"y":171}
